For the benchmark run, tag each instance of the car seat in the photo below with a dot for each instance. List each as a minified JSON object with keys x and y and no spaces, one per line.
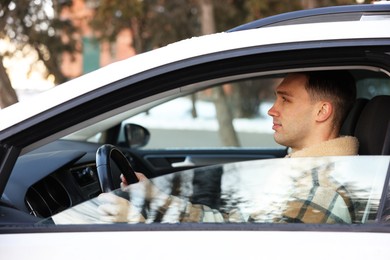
{"x":373,"y":127}
{"x":349,"y":125}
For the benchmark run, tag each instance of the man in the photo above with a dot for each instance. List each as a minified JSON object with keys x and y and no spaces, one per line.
{"x":307,"y":116}
{"x":308,"y":112}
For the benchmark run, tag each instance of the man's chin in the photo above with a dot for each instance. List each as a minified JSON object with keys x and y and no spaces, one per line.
{"x":279,"y":139}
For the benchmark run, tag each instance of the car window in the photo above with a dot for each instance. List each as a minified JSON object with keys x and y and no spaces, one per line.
{"x":371,"y":87}
{"x":255,"y":191}
{"x":203,"y":119}
{"x":232,"y":114}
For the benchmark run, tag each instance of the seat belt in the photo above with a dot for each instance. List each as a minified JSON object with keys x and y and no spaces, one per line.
{"x":386,"y":142}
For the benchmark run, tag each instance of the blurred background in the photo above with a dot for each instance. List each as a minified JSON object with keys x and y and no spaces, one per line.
{"x":44,"y":43}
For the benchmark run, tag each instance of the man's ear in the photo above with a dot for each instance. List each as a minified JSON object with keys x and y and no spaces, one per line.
{"x":324,"y":111}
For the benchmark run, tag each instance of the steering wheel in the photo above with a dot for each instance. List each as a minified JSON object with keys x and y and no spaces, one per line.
{"x":106,"y":155}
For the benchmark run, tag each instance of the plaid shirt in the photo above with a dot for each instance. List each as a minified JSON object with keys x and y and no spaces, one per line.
{"x":317,"y":198}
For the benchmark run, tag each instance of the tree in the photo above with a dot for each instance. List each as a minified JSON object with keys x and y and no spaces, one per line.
{"x":7,"y":93}
{"x":154,"y":23}
{"x":34,"y":24}
{"x":224,"y":114}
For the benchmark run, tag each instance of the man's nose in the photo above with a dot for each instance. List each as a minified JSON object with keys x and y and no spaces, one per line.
{"x":272,"y":111}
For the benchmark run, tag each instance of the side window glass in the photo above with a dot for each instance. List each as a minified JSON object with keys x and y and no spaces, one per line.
{"x":230,"y":115}
{"x":370,"y":87}
{"x":295,"y":190}
{"x":311,"y":190}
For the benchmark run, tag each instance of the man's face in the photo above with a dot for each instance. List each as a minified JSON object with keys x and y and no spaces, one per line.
{"x":293,"y":113}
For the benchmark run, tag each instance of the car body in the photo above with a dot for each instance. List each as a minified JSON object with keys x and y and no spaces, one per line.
{"x":156,"y":108}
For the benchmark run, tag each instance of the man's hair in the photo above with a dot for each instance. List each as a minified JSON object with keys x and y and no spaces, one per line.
{"x":335,"y":86}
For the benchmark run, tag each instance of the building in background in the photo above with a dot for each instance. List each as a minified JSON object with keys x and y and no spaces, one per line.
{"x":92,"y":54}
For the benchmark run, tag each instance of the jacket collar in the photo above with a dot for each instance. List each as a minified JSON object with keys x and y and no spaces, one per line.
{"x":345,"y":145}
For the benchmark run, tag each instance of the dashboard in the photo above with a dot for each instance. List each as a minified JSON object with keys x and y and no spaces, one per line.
{"x":53,"y":178}
{"x":62,"y":189}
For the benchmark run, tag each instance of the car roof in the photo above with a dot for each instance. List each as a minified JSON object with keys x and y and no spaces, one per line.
{"x":320,"y":15}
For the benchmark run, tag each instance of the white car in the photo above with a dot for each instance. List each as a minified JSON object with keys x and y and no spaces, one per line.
{"x":162,"y":110}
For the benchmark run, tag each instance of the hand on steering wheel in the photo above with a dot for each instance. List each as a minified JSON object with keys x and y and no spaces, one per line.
{"x":104,"y":157}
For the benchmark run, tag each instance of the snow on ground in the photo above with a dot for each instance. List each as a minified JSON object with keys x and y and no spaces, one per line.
{"x":177,"y":114}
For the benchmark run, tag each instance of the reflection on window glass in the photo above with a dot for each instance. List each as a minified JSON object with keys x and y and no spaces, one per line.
{"x":289,"y":190}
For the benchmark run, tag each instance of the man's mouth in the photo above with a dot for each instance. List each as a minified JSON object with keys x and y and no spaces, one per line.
{"x":276,"y":126}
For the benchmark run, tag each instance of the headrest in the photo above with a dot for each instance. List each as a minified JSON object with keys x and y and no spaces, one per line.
{"x":372,"y":125}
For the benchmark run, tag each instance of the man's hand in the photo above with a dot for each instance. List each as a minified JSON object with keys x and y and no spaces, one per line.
{"x":117,"y":209}
{"x":140,"y":177}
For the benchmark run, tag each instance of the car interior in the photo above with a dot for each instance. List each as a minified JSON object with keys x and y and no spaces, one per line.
{"x":372,"y":128}
{"x":66,"y":173}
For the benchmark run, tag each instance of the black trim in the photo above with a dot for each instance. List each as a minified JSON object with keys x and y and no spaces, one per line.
{"x":9,"y":155}
{"x":324,"y":14}
{"x":145,"y":161}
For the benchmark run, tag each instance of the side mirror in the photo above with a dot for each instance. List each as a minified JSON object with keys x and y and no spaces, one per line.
{"x":136,"y":135}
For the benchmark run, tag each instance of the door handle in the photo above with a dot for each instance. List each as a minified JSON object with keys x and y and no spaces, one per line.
{"x":186,"y":163}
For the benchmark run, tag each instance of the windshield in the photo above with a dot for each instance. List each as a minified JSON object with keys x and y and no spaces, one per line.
{"x":275,"y":190}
